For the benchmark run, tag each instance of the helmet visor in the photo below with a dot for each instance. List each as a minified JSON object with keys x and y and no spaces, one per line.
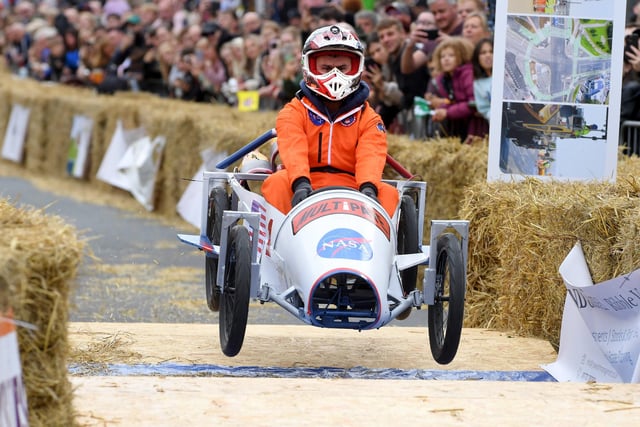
{"x":324,"y":61}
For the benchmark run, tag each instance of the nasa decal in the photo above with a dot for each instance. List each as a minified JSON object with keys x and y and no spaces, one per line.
{"x":315,"y":119}
{"x":344,"y":243}
{"x":349,"y":121}
{"x":381,"y":127}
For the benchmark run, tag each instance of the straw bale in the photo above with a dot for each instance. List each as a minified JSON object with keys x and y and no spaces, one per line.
{"x":40,"y":257}
{"x":447,"y":166}
{"x":521,"y":232}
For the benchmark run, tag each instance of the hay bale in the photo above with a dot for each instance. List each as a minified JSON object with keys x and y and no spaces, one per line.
{"x":521,"y":232}
{"x":40,"y":257}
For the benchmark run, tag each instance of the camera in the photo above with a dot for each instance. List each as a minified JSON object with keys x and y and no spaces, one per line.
{"x":631,"y":40}
{"x":370,"y":63}
{"x":430,"y":34}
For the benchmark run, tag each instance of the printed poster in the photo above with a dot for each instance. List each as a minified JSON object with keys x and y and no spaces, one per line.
{"x":556,"y":108}
{"x":600,"y":334}
{"x":14,"y":137}
{"x":80,"y":140}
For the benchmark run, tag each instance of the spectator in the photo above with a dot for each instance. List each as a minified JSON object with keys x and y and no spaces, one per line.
{"x":392,"y":36}
{"x":475,"y":27}
{"x":365,"y":22}
{"x":401,"y":12}
{"x":447,"y":21}
{"x":452,"y":97}
{"x":385,"y":93}
{"x":419,"y":46}
{"x":466,"y":7}
{"x":446,"y":15}
{"x":482,"y":60}
{"x":17,"y":45}
{"x":251,"y":23}
{"x":187,"y":84}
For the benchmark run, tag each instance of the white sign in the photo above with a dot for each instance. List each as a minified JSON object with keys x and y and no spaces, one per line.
{"x":139,"y":166}
{"x":556,"y":90}
{"x":600,"y":335}
{"x":120,"y":141}
{"x":13,"y":147}
{"x":80,"y":141}
{"x":190,"y":204}
{"x":13,"y":399}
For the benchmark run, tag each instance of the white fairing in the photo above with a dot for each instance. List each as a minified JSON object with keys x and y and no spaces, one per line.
{"x":337,"y":231}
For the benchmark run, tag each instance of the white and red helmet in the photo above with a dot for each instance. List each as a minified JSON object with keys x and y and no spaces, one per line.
{"x":333,"y":85}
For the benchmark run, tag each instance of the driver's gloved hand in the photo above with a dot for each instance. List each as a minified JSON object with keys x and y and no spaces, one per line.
{"x":301,"y":189}
{"x":369,"y":190}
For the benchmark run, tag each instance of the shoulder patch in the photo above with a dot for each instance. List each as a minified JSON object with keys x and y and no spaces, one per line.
{"x":381,"y":128}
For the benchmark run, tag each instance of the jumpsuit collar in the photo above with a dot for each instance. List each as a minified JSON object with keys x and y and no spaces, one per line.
{"x":354,"y":100}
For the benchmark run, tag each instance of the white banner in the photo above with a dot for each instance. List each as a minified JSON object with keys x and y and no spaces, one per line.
{"x":600,"y":335}
{"x":555,"y":107}
{"x":13,"y":399}
{"x":190,"y":204}
{"x":14,"y":137}
{"x":120,"y":141}
{"x":139,"y":166}
{"x":80,"y":141}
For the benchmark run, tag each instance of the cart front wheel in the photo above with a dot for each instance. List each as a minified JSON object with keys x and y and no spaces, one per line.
{"x":234,"y":299}
{"x":446,"y":315}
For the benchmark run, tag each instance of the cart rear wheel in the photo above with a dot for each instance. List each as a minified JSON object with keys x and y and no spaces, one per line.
{"x":234,"y":300}
{"x":408,"y":243}
{"x":218,"y":203}
{"x":446,"y":315}
{"x":408,"y":240}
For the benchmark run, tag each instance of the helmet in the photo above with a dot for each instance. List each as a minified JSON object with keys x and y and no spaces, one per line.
{"x":255,"y":162}
{"x":333,"y":85}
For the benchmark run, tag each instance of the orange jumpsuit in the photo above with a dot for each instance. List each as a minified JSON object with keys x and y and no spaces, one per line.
{"x":347,"y":152}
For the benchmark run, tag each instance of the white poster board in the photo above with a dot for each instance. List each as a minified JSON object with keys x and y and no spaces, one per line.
{"x":13,"y":400}
{"x":80,"y":141}
{"x":139,"y":166}
{"x":14,"y":136}
{"x":556,"y":87}
{"x":120,"y":141}
{"x":600,"y":335}
{"x":190,"y":204}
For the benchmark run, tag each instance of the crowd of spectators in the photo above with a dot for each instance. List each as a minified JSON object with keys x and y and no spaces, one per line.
{"x":208,"y":51}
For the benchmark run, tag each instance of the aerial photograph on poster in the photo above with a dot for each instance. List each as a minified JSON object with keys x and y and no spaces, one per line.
{"x":546,"y":140}
{"x":558,"y":59}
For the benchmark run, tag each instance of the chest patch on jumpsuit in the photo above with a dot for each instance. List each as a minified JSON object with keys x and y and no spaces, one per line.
{"x":348,"y":121}
{"x":315,"y":119}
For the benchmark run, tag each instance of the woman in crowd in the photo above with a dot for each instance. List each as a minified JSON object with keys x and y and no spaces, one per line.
{"x":452,"y":95}
{"x":482,"y":61}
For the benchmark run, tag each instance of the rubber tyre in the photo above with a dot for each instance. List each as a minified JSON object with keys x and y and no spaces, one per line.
{"x":408,"y":240}
{"x":218,"y":203}
{"x":446,"y":315}
{"x":234,"y":300}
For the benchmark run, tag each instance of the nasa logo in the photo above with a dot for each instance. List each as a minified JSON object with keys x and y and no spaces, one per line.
{"x":315,"y":119}
{"x":381,"y":128}
{"x":344,"y":243}
{"x":349,"y":121}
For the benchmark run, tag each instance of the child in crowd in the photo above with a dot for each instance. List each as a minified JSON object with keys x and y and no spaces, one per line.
{"x":452,"y":95}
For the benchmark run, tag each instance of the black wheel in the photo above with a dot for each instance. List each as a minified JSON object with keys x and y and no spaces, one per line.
{"x":218,"y":203}
{"x":446,"y":314}
{"x":234,"y":300}
{"x":408,"y":243}
{"x":408,"y":240}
